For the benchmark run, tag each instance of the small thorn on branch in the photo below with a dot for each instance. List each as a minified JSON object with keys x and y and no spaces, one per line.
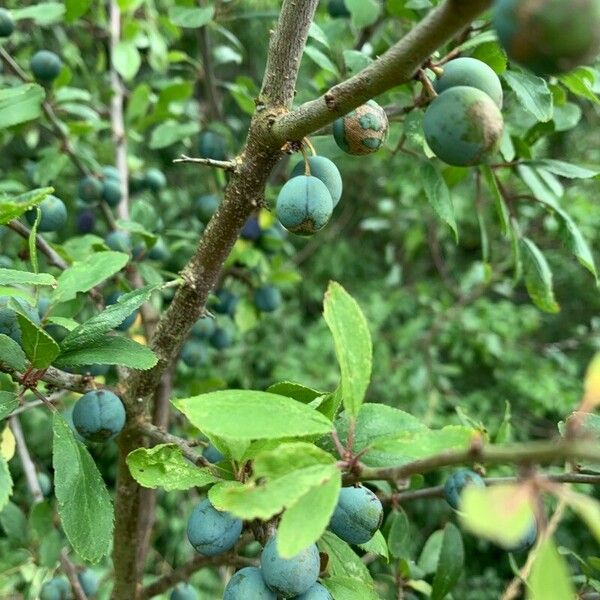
{"x":226,"y":165}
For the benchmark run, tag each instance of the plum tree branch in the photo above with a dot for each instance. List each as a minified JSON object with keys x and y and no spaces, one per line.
{"x":397,"y":66}
{"x":42,"y":245}
{"x":226,"y":165}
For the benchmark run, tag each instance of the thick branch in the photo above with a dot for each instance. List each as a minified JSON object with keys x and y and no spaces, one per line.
{"x":397,"y":66}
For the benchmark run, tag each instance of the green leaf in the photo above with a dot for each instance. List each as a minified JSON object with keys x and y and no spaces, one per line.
{"x":377,"y":545}
{"x":84,"y":503}
{"x":532,"y":92}
{"x":250,"y":415}
{"x":126,"y":59}
{"x":430,"y":554}
{"x":549,"y":576}
{"x":343,"y":561}
{"x":39,"y":347}
{"x":581,"y":82}
{"x":82,"y":276}
{"x":321,"y":60}
{"x":14,"y":523}
{"x":576,"y":243}
{"x":564,"y":169}
{"x":8,"y":402}
{"x":588,"y":509}
{"x":438,"y":194}
{"x":364,"y":12}
{"x":501,"y":208}
{"x":110,"y":350}
{"x":451,"y":562}
{"x":33,"y":257}
{"x":399,"y":534}
{"x":90,"y":332}
{"x":14,"y":277}
{"x":20,"y":104}
{"x":538,"y":277}
{"x":6,"y":483}
{"x":304,"y":522}
{"x":76,"y":9}
{"x":185,"y":16}
{"x":42,"y":13}
{"x":165,"y":466}
{"x":170,"y":132}
{"x":11,"y":354}
{"x":297,"y":391}
{"x":347,"y":588}
{"x":17,"y":206}
{"x":352,"y":342}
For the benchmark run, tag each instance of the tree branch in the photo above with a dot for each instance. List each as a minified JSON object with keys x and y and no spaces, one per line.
{"x":42,"y":245}
{"x":397,"y":66}
{"x":227,"y":165}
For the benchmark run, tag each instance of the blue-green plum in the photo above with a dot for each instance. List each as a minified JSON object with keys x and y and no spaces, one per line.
{"x":248,"y":584}
{"x":45,"y":483}
{"x":225,"y":303}
{"x":267,"y":298}
{"x":110,"y":172}
{"x":137,"y":183}
{"x":316,"y":592}
{"x":251,"y":230}
{"x":155,"y":180}
{"x":463,"y":126}
{"x":184,"y":591}
{"x":549,"y":37}
{"x":456,"y":483}
{"x":89,"y":188}
{"x":473,"y":73}
{"x":53,"y":217}
{"x":357,"y":516}
{"x":194,"y":354}
{"x":204,"y":327}
{"x":212,"y":454}
{"x":212,"y":532}
{"x":85,"y":221}
{"x":324,"y":169}
{"x":290,"y":577}
{"x":139,"y":251}
{"x":89,"y":582}
{"x":304,"y":205}
{"x":7,"y":25}
{"x":206,"y":206}
{"x":45,"y":66}
{"x":119,"y":241}
{"x":212,"y":145}
{"x":111,"y":191}
{"x":337,"y":9}
{"x":98,"y":416}
{"x":527,"y":542}
{"x":159,"y":251}
{"x":113,"y":298}
{"x":57,"y":588}
{"x":362,"y":131}
{"x":220,"y":339}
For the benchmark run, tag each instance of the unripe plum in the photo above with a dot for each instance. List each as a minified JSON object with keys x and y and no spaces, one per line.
{"x":111,"y":191}
{"x":99,"y":415}
{"x":304,"y":205}
{"x":194,"y":354}
{"x":220,"y":339}
{"x":247,"y":584}
{"x":159,"y":251}
{"x":89,"y":189}
{"x":206,"y":206}
{"x":463,"y":126}
{"x":324,"y":169}
{"x":212,"y":454}
{"x":57,"y":588}
{"x":45,"y":483}
{"x":316,"y":592}
{"x":184,"y":591}
{"x":267,"y":298}
{"x":362,"y":131}
{"x":111,"y":172}
{"x":54,"y":214}
{"x":45,"y":66}
{"x":7,"y":25}
{"x":527,"y":542}
{"x":155,"y":180}
{"x":456,"y":483}
{"x":204,"y":327}
{"x":118,"y":241}
{"x":89,"y":582}
{"x":212,"y":532}
{"x":472,"y":73}
{"x":212,"y":145}
{"x":549,"y":37}
{"x":293,"y":576}
{"x":226,"y":302}
{"x":357,"y":516}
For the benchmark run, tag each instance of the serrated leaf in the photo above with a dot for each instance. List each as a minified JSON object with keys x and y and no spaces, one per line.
{"x":538,"y":277}
{"x":84,"y":503}
{"x":398,"y":534}
{"x":450,"y":564}
{"x":39,"y":347}
{"x":251,"y":415}
{"x":14,"y":277}
{"x":297,"y":391}
{"x":377,"y":545}
{"x":347,"y":588}
{"x":165,"y":466}
{"x":532,"y":93}
{"x":11,"y":354}
{"x":343,"y":561}
{"x":564,"y":169}
{"x":438,"y":194}
{"x":20,"y":104}
{"x":110,"y":350}
{"x":549,"y":576}
{"x":6,"y":483}
{"x":8,"y":402}
{"x":352,"y":342}
{"x":576,"y":243}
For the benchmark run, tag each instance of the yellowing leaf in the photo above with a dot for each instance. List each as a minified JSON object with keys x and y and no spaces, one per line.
{"x":591,"y":394}
{"x":7,"y":444}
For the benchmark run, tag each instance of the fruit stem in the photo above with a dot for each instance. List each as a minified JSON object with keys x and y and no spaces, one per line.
{"x":306,"y":163}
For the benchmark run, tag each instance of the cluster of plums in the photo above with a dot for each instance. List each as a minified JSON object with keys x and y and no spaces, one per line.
{"x":58,"y":588}
{"x":356,"y":519}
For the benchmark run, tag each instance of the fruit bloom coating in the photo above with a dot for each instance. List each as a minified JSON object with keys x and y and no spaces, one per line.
{"x":98,"y":416}
{"x":212,"y":145}
{"x":113,"y":298}
{"x":206,"y":206}
{"x":527,"y":542}
{"x":316,"y":592}
{"x":7,"y":25}
{"x":549,"y":37}
{"x":267,"y":298}
{"x":57,"y":588}
{"x":362,"y":131}
{"x":293,"y":576}
{"x":155,"y":179}
{"x":119,"y":241}
{"x":247,"y":584}
{"x":54,"y":214}
{"x":456,"y":483}
{"x":212,"y":532}
{"x":204,"y":327}
{"x":324,"y":169}
{"x":194,"y":354}
{"x":184,"y":591}
{"x":472,"y":73}
{"x":89,"y":582}
{"x":111,"y":192}
{"x":337,"y":9}
{"x":89,"y":189}
{"x":463,"y":126}
{"x":304,"y":205}
{"x":357,"y":516}
{"x":45,"y":65}
{"x":212,"y":454}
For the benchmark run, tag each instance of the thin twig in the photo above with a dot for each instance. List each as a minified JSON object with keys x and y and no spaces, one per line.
{"x":227,"y":165}
{"x":42,"y":245}
{"x":71,"y":572}
{"x":26,"y":462}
